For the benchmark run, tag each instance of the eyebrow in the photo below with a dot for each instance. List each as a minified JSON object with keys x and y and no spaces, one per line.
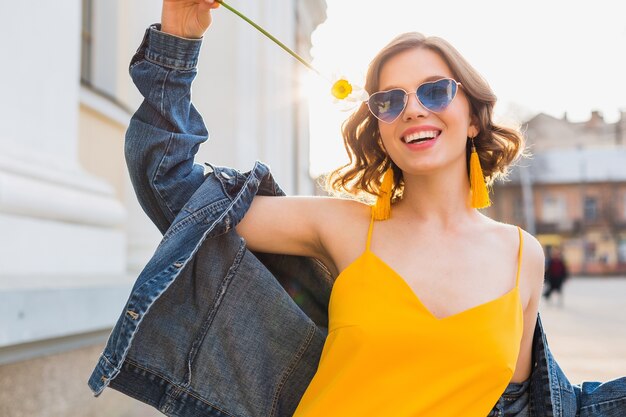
{"x":425,"y":80}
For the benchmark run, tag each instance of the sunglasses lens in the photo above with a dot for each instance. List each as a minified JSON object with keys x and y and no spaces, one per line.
{"x":387,"y":105}
{"x":437,"y":95}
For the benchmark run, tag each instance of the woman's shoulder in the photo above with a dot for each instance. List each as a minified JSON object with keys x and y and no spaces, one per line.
{"x":343,"y":210}
{"x":502,"y":229}
{"x":342,"y":224}
{"x":532,"y":254}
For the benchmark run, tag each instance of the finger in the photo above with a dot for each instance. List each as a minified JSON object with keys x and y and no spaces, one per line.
{"x":206,"y":5}
{"x":212,"y":4}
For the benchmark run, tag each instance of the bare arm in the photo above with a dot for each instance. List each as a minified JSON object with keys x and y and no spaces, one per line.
{"x":532,"y":273}
{"x":307,"y":226}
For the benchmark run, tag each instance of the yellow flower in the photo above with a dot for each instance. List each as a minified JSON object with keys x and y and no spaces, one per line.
{"x":341,"y":89}
{"x":346,"y":95}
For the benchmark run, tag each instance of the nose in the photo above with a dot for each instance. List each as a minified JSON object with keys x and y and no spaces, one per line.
{"x":413,"y":108}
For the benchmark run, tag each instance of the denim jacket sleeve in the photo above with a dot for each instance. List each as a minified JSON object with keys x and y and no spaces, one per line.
{"x":166,"y":131}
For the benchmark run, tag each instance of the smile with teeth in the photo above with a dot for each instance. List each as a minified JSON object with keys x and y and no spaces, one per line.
{"x":421,"y":136}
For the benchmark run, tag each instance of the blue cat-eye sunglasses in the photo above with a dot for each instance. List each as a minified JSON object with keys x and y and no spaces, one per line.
{"x":434,"y":96}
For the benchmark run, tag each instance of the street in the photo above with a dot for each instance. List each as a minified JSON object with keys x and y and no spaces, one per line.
{"x":587,"y":336}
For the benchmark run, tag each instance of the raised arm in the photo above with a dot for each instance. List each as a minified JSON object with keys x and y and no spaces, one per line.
{"x":166,"y":131}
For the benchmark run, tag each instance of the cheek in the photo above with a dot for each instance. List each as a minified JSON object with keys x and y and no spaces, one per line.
{"x":464,"y":113}
{"x":457,"y":120}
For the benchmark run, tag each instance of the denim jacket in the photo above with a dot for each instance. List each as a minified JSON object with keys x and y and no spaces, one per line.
{"x":213,"y":329}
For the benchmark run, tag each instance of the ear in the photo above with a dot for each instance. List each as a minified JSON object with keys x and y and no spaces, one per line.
{"x":473,"y":130}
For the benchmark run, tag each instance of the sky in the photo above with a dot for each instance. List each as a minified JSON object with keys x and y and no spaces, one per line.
{"x":550,"y":56}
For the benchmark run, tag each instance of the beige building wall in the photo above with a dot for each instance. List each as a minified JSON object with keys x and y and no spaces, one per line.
{"x":101,"y":148}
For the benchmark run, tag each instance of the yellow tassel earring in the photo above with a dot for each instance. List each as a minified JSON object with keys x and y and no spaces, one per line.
{"x":479,"y":192}
{"x":382,"y":208}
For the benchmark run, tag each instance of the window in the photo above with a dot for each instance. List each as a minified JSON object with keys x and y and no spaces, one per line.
{"x":100,"y":46}
{"x":591,"y":208}
{"x":86,"y":45}
{"x":553,"y":210}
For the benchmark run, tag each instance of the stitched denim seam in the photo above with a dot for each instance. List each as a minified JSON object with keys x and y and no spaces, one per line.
{"x":613,"y":400}
{"x":167,"y":73}
{"x":137,"y":324}
{"x":556,"y":394}
{"x":209,"y":207}
{"x":134,"y":323}
{"x":171,"y":399}
{"x":169,"y":66}
{"x":216,"y":304}
{"x":292,"y":366}
{"x":188,"y":392}
{"x":107,"y":360}
{"x":511,"y":397}
{"x":193,"y":218}
{"x":138,"y":394}
{"x":157,"y":173}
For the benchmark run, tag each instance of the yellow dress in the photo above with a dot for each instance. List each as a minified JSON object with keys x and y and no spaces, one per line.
{"x":387,"y":355}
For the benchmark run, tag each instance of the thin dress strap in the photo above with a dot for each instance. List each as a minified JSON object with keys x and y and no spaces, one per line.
{"x":369,"y":233}
{"x":519,"y":255}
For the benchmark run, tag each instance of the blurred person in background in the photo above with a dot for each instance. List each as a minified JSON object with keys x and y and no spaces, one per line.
{"x":556,"y":274}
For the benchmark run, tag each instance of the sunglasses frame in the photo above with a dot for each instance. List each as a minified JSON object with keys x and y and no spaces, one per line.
{"x":406,"y":100}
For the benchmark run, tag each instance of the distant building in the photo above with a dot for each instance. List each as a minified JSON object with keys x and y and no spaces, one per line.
{"x":572,"y":191}
{"x":547,"y":132}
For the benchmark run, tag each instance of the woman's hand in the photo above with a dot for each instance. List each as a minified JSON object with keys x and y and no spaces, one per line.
{"x":187,"y":18}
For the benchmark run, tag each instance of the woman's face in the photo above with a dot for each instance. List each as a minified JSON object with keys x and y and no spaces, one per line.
{"x":450,"y":127}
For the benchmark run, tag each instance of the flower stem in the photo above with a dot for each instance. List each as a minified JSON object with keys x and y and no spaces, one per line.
{"x":266,"y":33}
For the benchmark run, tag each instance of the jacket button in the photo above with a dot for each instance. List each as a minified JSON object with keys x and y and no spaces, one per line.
{"x":225,"y":176}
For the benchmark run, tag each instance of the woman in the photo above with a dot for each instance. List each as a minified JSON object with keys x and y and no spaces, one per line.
{"x":556,"y":274}
{"x":434,"y":241}
{"x":432,"y":311}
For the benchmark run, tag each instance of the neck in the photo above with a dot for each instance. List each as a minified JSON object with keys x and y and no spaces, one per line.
{"x":440,"y":198}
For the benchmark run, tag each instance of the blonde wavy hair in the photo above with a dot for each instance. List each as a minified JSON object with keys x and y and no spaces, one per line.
{"x":497,"y":146}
